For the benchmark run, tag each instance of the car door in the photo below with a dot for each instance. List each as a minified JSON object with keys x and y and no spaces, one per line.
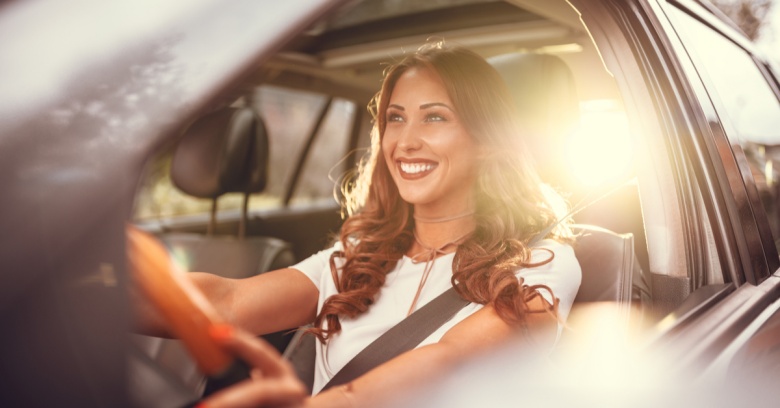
{"x":709,"y":222}
{"x":741,"y":102}
{"x":85,"y":101}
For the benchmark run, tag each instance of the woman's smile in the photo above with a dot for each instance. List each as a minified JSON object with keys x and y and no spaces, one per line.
{"x":415,"y":169}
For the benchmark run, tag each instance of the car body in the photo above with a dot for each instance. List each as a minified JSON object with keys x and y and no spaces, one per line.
{"x":691,"y":108}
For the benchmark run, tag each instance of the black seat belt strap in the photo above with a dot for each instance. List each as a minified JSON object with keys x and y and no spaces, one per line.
{"x":402,"y":337}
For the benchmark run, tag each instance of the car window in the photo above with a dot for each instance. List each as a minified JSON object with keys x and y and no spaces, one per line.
{"x":324,"y":164}
{"x":746,"y":105}
{"x":290,"y":117}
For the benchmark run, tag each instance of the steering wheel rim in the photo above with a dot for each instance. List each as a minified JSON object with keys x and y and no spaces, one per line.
{"x":187,"y":312}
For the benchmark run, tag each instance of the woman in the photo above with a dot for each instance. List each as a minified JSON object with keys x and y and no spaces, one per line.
{"x":447,"y":197}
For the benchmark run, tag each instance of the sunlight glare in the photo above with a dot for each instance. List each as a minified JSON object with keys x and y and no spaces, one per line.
{"x":600,"y":151}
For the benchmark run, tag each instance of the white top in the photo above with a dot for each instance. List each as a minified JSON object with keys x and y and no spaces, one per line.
{"x":562,"y":275}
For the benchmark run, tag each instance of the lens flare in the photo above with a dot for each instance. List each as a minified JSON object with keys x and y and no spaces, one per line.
{"x":600,"y":151}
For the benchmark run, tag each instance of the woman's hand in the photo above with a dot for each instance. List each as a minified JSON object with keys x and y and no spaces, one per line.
{"x":273,"y":381}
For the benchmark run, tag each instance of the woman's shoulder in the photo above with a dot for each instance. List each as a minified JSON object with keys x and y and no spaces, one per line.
{"x":560,"y":254}
{"x":316,"y":263}
{"x":554,"y":264}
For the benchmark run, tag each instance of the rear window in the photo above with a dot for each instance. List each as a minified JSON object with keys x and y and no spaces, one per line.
{"x":290,"y":117}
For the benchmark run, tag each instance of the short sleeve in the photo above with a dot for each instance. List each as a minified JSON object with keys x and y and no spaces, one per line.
{"x":315,"y":265}
{"x":562,"y":274}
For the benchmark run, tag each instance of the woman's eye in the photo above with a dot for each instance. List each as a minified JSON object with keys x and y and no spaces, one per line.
{"x":435,"y":117}
{"x":394,"y":117}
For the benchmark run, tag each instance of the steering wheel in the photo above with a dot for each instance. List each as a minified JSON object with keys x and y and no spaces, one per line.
{"x":181,"y":304}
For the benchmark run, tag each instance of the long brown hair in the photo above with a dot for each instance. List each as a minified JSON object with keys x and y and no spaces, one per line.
{"x":512,"y":204}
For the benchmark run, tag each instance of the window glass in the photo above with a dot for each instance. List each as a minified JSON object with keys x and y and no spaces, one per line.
{"x":746,"y":104}
{"x":289,"y":116}
{"x":325,"y":162}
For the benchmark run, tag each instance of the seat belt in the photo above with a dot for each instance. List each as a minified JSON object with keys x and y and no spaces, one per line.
{"x":415,"y":328}
{"x":402,"y":337}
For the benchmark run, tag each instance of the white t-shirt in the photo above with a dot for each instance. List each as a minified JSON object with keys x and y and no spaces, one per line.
{"x":562,"y":275}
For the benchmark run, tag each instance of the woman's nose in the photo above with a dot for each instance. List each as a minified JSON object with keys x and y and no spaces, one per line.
{"x":409,"y":139}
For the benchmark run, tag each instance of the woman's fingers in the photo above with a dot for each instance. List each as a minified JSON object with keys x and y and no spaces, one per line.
{"x":275,"y":386}
{"x":254,"y":351}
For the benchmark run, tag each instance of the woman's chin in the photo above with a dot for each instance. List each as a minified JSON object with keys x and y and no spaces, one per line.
{"x":414,"y":197}
{"x":413,"y":200}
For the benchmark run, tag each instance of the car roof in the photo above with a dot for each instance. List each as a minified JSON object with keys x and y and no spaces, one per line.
{"x":345,"y":54}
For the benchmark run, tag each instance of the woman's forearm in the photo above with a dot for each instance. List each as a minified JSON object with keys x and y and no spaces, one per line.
{"x":217,"y":291}
{"x":145,"y":317}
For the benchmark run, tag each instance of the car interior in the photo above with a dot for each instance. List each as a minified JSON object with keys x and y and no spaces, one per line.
{"x":252,"y":185}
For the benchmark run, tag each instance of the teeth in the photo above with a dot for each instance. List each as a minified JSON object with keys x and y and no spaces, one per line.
{"x":414,"y":168}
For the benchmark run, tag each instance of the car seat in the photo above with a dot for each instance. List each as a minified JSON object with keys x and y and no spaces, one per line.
{"x":225,"y":152}
{"x":544,"y":91}
{"x":545,"y":95}
{"x":222,"y":152}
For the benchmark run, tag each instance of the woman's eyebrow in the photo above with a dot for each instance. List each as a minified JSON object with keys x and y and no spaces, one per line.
{"x":433,"y":104}
{"x":399,"y":107}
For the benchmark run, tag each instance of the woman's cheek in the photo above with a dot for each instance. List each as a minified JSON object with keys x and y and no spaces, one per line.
{"x":388,"y":146}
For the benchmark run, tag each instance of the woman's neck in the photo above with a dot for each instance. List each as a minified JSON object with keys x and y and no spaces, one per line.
{"x":441,"y":229}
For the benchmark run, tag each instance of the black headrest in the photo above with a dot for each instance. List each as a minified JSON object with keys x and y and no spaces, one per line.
{"x":544,"y":90}
{"x":222,"y":152}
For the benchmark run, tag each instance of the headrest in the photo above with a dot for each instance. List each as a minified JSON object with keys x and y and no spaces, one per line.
{"x":223,"y":152}
{"x":545,"y":93}
{"x":608,"y":264}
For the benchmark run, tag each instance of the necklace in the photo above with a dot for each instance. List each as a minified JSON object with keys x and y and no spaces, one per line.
{"x":441,"y":219}
{"x":429,"y":254}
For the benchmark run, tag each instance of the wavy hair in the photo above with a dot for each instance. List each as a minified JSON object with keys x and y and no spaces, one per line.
{"x":512,"y":203}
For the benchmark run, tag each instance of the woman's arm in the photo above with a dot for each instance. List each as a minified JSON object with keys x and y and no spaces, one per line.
{"x":269,"y":302}
{"x":261,"y":304}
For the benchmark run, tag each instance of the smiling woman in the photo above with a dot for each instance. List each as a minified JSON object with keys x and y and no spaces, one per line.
{"x":450,"y":204}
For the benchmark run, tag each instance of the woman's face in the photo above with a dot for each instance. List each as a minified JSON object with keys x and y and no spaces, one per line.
{"x":431,"y":156}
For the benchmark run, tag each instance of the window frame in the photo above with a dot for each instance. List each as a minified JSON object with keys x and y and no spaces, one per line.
{"x":763,"y":255}
{"x":706,"y":324}
{"x":665,"y":106}
{"x":663,"y":99}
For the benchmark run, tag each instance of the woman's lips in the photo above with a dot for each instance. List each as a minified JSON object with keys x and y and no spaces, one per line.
{"x":415,"y":170}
